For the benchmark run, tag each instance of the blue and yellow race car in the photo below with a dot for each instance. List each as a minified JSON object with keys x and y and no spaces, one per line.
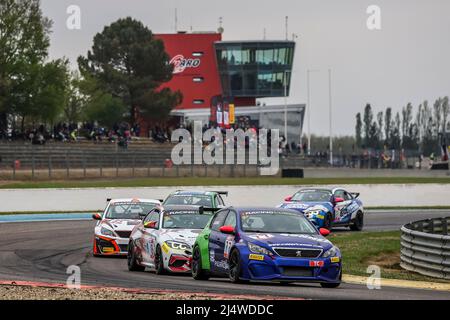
{"x":265,"y":244}
{"x":328,"y":208}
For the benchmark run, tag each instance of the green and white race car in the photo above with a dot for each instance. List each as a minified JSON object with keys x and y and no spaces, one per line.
{"x":211,"y":199}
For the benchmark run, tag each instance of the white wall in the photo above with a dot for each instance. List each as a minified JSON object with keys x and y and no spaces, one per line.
{"x":94,"y":199}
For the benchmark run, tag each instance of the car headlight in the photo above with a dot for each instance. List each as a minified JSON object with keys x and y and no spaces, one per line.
{"x":258,"y":249}
{"x":178,"y":245}
{"x":332,"y":252}
{"x":107,"y":232}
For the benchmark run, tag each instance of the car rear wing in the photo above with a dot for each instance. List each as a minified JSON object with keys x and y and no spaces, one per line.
{"x":224,"y":193}
{"x":355,"y":194}
{"x":203,"y":209}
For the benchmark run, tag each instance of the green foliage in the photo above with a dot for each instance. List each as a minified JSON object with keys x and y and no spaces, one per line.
{"x":75,"y":102}
{"x":99,"y":105}
{"x":29,"y":87}
{"x":130,"y":64}
{"x":423,"y":132}
{"x":358,"y":130}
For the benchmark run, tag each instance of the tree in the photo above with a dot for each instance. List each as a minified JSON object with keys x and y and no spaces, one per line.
{"x":368,"y":118}
{"x":387,"y":126}
{"x":130,"y":64}
{"x":407,"y":118}
{"x":437,"y":117}
{"x":395,"y":134}
{"x":445,"y":111}
{"x":373,"y":136}
{"x":50,"y":96}
{"x":380,"y":129}
{"x":358,"y":130}
{"x":99,"y":105}
{"x":75,"y":101}
{"x":24,"y":42}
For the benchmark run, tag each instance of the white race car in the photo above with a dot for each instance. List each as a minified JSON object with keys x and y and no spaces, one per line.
{"x":114,"y":226}
{"x":164,"y":239}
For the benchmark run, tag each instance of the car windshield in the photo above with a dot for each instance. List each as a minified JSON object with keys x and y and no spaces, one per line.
{"x":128,"y":210}
{"x":183,"y":219}
{"x":312,"y":196}
{"x":189,"y":199}
{"x":275,"y":222}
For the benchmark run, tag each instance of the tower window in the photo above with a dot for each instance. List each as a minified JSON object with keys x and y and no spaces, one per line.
{"x":199,"y":101}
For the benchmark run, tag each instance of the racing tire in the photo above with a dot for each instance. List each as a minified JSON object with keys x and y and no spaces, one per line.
{"x":196,"y":267}
{"x":328,"y":222}
{"x":159,"y":263}
{"x":358,"y":223}
{"x":235,"y":267}
{"x":131,"y":259}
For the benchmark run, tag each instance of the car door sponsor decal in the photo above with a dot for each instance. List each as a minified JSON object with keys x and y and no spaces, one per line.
{"x":258,"y":257}
{"x":229,"y":243}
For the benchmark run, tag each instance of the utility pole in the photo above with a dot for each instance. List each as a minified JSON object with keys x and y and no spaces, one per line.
{"x":308,"y":76}
{"x":285,"y":104}
{"x":331,"y":116}
{"x":176,"y":20}
{"x":309,"y":109}
{"x":287,"y":26}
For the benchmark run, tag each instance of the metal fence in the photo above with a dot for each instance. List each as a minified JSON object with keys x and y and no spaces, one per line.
{"x":425,"y":247}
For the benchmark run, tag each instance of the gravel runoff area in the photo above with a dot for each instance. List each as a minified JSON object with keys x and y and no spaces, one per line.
{"x":24,"y":292}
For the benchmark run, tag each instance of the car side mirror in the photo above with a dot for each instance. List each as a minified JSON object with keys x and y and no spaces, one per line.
{"x":227,"y":229}
{"x":338,"y":200}
{"x":96,"y":216}
{"x":288,"y":198}
{"x":150,"y":225}
{"x":324,"y":232}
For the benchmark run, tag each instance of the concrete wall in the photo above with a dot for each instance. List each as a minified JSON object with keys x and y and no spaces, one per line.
{"x":95,"y":199}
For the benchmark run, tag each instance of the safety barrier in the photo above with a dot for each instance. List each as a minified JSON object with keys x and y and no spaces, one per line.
{"x":425,"y":247}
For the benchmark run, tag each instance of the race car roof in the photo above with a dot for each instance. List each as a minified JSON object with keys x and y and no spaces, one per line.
{"x":263,"y":209}
{"x":317,"y":189}
{"x":192,"y":192}
{"x":134,"y":200}
{"x":189,"y":208}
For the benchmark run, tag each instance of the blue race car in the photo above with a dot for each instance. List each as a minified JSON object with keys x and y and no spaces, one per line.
{"x":328,"y":208}
{"x":267,"y":244}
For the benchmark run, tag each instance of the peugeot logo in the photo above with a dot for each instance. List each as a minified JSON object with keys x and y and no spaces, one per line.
{"x":298,"y":253}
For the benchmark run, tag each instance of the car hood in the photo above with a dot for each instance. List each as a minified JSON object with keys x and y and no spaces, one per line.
{"x":290,"y":240}
{"x":304,"y":206}
{"x":121,"y":224}
{"x":182,"y":235}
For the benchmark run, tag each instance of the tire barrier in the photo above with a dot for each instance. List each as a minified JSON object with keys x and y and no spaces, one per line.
{"x":425,"y":247}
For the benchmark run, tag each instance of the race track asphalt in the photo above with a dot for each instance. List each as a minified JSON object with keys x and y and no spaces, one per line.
{"x":42,"y":251}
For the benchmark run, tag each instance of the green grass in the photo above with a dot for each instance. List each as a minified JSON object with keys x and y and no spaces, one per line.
{"x":168,"y":182}
{"x":359,"y":250}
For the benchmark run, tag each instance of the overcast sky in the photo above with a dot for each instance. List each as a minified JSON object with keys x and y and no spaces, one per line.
{"x":408,"y":60}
